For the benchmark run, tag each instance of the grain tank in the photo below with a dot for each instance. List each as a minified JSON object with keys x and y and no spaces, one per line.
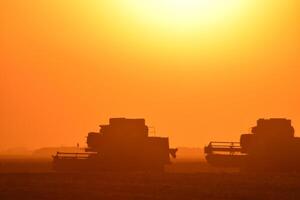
{"x":271,"y":145}
{"x":123,"y":144}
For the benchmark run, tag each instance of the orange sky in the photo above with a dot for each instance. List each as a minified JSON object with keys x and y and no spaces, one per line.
{"x":67,"y":66}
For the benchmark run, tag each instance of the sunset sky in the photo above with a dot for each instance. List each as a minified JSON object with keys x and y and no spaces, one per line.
{"x":197,"y":70}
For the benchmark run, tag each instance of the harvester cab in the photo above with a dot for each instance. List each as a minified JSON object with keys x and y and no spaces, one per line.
{"x":267,"y":137}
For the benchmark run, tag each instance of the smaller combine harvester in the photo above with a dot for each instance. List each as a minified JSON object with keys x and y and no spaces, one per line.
{"x":271,"y":146}
{"x":122,"y":145}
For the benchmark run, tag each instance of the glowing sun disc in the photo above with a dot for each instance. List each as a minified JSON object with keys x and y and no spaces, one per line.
{"x":184,"y":12}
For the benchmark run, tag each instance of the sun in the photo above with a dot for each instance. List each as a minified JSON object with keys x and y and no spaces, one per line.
{"x":181,"y":14}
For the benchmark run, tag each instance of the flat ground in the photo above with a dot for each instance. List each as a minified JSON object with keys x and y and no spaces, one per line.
{"x":33,"y":179}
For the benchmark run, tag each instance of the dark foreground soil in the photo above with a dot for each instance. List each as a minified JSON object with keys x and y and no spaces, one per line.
{"x":148,"y":186}
{"x":171,"y":185}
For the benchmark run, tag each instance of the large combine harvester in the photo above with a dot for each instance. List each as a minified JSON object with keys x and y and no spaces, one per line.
{"x":271,"y":146}
{"x":123,"y":145}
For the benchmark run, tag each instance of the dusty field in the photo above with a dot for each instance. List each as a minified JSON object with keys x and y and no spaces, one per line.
{"x":183,"y":180}
{"x":148,"y":186}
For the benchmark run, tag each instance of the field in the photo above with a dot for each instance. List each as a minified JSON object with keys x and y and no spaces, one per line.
{"x":33,"y":179}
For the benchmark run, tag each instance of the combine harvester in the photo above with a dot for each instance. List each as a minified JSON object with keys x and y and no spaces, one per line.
{"x":271,"y":146}
{"x":123,"y":145}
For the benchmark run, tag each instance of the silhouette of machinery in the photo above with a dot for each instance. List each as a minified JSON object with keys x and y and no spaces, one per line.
{"x":271,"y":145}
{"x":123,"y":144}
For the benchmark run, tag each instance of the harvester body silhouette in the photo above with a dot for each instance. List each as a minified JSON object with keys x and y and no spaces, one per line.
{"x":271,"y":145}
{"x":122,"y":145}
